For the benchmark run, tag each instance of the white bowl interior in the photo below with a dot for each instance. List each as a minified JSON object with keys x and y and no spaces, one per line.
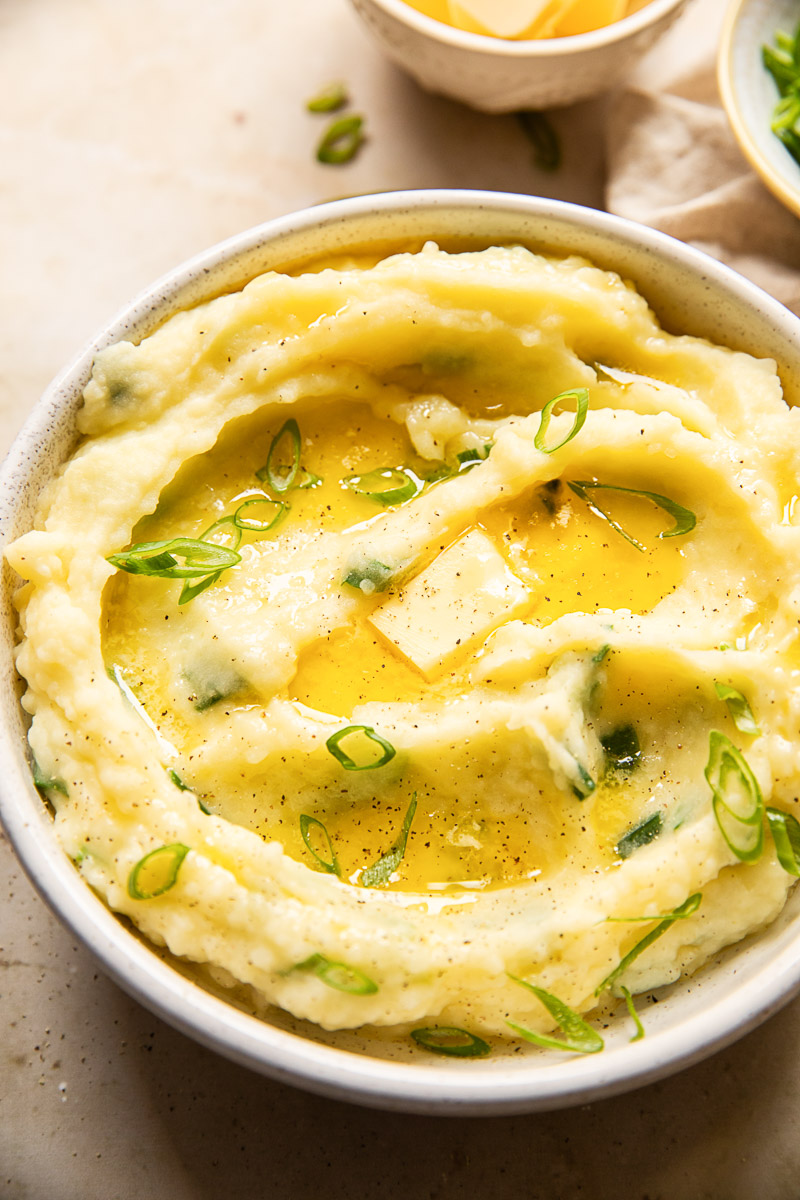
{"x":691,"y":294}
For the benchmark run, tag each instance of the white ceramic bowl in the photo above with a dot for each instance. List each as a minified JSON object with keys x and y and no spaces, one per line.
{"x":749,"y":93}
{"x":499,"y":75}
{"x":690,"y":293}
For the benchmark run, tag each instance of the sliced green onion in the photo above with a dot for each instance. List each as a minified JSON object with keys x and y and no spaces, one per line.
{"x":785,"y":830}
{"x":622,"y":749}
{"x":386,"y":485}
{"x":585,"y":785}
{"x":740,"y":710}
{"x":689,"y":906}
{"x":685,"y":520}
{"x":307,"y":824}
{"x":580,"y":1037}
{"x":338,"y":975}
{"x":452,"y":1041}
{"x":373,"y":577}
{"x":307,"y":480}
{"x":328,"y":99}
{"x":641,"y":835}
{"x":633,"y":1014}
{"x":46,"y":783}
{"x":222,"y":533}
{"x":246,"y":515}
{"x":381,"y":871}
{"x":282,"y":477}
{"x":176,"y":779}
{"x":157,"y":872}
{"x":467,"y":459}
{"x":161,"y":558}
{"x":341,"y":141}
{"x":344,"y":759}
{"x":581,"y":398}
{"x":601,"y":653}
{"x":737,"y":800}
{"x":543,"y":137}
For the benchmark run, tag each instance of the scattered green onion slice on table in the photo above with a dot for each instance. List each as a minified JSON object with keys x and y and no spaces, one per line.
{"x":328,"y":99}
{"x":381,"y":871}
{"x":343,"y":758}
{"x":633,"y":1014}
{"x":246,"y":516}
{"x":281,"y":476}
{"x":161,"y":558}
{"x":641,"y":835}
{"x":685,"y":520}
{"x":385,"y":485}
{"x":581,"y":398}
{"x":161,"y":867}
{"x":785,"y":830}
{"x":579,"y":1038}
{"x":338,"y":975}
{"x":341,"y":140}
{"x":543,"y":137}
{"x":308,"y":825}
{"x":689,"y":906}
{"x":452,"y":1041}
{"x":738,"y":707}
{"x":737,"y":800}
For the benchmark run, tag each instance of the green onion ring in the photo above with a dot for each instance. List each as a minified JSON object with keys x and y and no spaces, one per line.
{"x":785,"y":830}
{"x":173,"y":856}
{"x":637,"y":1037}
{"x":338,"y":975}
{"x":738,"y":707}
{"x":344,"y":759}
{"x":689,"y":906}
{"x":306,"y":824}
{"x":328,"y":99}
{"x":726,"y":768}
{"x":581,"y":397}
{"x":341,"y":141}
{"x":283,"y":481}
{"x":385,"y":485}
{"x":685,"y":519}
{"x":381,"y":871}
{"x":452,"y":1041}
{"x":580,"y":1037}
{"x":160,"y":558}
{"x":252,"y":524}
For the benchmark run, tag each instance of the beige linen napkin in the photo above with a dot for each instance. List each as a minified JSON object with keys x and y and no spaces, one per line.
{"x":673,"y":162}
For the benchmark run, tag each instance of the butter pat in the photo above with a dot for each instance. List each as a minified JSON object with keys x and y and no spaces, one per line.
{"x":462,"y":596}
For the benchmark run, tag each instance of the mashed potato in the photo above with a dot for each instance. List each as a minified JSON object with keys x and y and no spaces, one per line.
{"x":399,"y":632}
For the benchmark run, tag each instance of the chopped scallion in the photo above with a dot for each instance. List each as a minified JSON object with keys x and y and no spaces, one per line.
{"x":580,"y":1037}
{"x":157,"y":872}
{"x":685,"y":520}
{"x":785,"y":830}
{"x":328,"y":99}
{"x":543,"y":137}
{"x":161,"y":558}
{"x":46,"y":783}
{"x":273,"y":511}
{"x":385,"y":485}
{"x":622,"y":749}
{"x":372,"y":577}
{"x":641,"y":835}
{"x":341,"y":141}
{"x":381,"y":871}
{"x":737,"y":800}
{"x":738,"y":707}
{"x":452,"y":1041}
{"x":310,"y":824}
{"x":689,"y":906}
{"x":581,"y":398}
{"x":633,"y":1014}
{"x":343,"y":758}
{"x":281,"y":476}
{"x":338,"y":975}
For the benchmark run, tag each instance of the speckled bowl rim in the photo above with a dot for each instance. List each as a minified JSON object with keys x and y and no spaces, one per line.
{"x":528,"y":47}
{"x":748,"y":993}
{"x":729,"y":93}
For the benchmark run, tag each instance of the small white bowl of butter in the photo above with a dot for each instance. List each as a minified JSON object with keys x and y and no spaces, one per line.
{"x":509,"y":55}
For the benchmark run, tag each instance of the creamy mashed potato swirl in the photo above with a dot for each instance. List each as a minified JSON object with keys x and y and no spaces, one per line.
{"x":513,"y":615}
